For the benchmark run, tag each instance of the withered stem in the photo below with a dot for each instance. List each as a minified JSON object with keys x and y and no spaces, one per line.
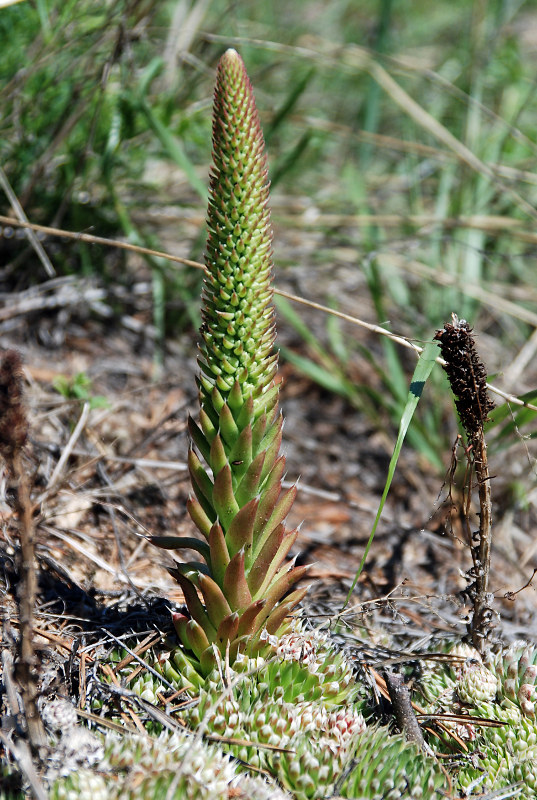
{"x":402,"y":706}
{"x":481,"y":548}
{"x":26,"y":671}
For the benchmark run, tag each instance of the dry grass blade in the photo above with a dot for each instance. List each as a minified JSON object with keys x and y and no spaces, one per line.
{"x":19,"y":211}
{"x":90,"y":239}
{"x":360,"y":59}
{"x":68,"y":449}
{"x":214,"y":737}
{"x":183,"y":30}
{"x":135,"y":657}
{"x":101,"y":721}
{"x":100,"y":562}
{"x":489,"y":223}
{"x":443,"y":278}
{"x":439,"y":131}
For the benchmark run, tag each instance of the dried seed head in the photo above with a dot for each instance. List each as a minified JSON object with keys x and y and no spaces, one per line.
{"x":13,"y":421}
{"x":466,"y":373}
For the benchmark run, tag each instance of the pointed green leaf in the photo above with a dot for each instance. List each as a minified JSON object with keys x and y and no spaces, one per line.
{"x":217,"y":458}
{"x":274,"y":621}
{"x":223,"y":497}
{"x":245,"y":416}
{"x":260,"y":566}
{"x":194,"y":605}
{"x":258,"y":432}
{"x":274,"y":478}
{"x":215,"y":602}
{"x":283,"y":606}
{"x":209,"y":660}
{"x":227,"y":630}
{"x":198,"y":516}
{"x":271,"y":557}
{"x":248,"y":487}
{"x":228,"y":427}
{"x":199,"y":438}
{"x":271,"y":452}
{"x":219,"y":555}
{"x":272,"y":433}
{"x":268,"y":401}
{"x":208,"y":427}
{"x":235,"y":400}
{"x":205,"y":504}
{"x":180,"y":623}
{"x":267,"y":502}
{"x":248,"y":621}
{"x":240,"y":531}
{"x":240,"y":455}
{"x":181,"y":543}
{"x":217,"y":400}
{"x":189,"y":569}
{"x":264,"y":526}
{"x":419,"y":378}
{"x":235,"y":583}
{"x":196,"y":638}
{"x":283,"y":582}
{"x":199,"y":476}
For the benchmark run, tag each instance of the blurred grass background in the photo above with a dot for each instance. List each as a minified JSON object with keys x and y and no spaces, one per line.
{"x":402,"y":145}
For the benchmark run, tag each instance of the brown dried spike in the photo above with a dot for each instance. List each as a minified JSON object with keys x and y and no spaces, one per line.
{"x":466,"y":373}
{"x":13,"y":421}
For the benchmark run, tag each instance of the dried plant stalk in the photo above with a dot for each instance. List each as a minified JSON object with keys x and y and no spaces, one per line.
{"x":468,"y":380}
{"x":13,"y":436}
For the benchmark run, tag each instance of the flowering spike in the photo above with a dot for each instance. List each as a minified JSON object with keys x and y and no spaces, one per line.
{"x":239,"y":245}
{"x":239,"y":506}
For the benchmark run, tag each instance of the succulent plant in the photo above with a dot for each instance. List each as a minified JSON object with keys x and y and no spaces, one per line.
{"x":386,"y":766}
{"x":500,"y":689}
{"x":352,"y":760}
{"x":84,"y":784}
{"x":175,"y":765}
{"x":238,"y":504}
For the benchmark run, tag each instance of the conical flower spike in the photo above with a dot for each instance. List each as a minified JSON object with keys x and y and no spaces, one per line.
{"x":238,"y":316}
{"x":236,"y":470}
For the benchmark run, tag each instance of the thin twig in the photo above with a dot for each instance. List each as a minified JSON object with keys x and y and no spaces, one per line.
{"x":402,"y":706}
{"x":401,"y":340}
{"x":13,"y":437}
{"x":27,"y":665}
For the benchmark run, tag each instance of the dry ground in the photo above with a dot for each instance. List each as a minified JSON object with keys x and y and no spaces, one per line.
{"x":102,"y":486}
